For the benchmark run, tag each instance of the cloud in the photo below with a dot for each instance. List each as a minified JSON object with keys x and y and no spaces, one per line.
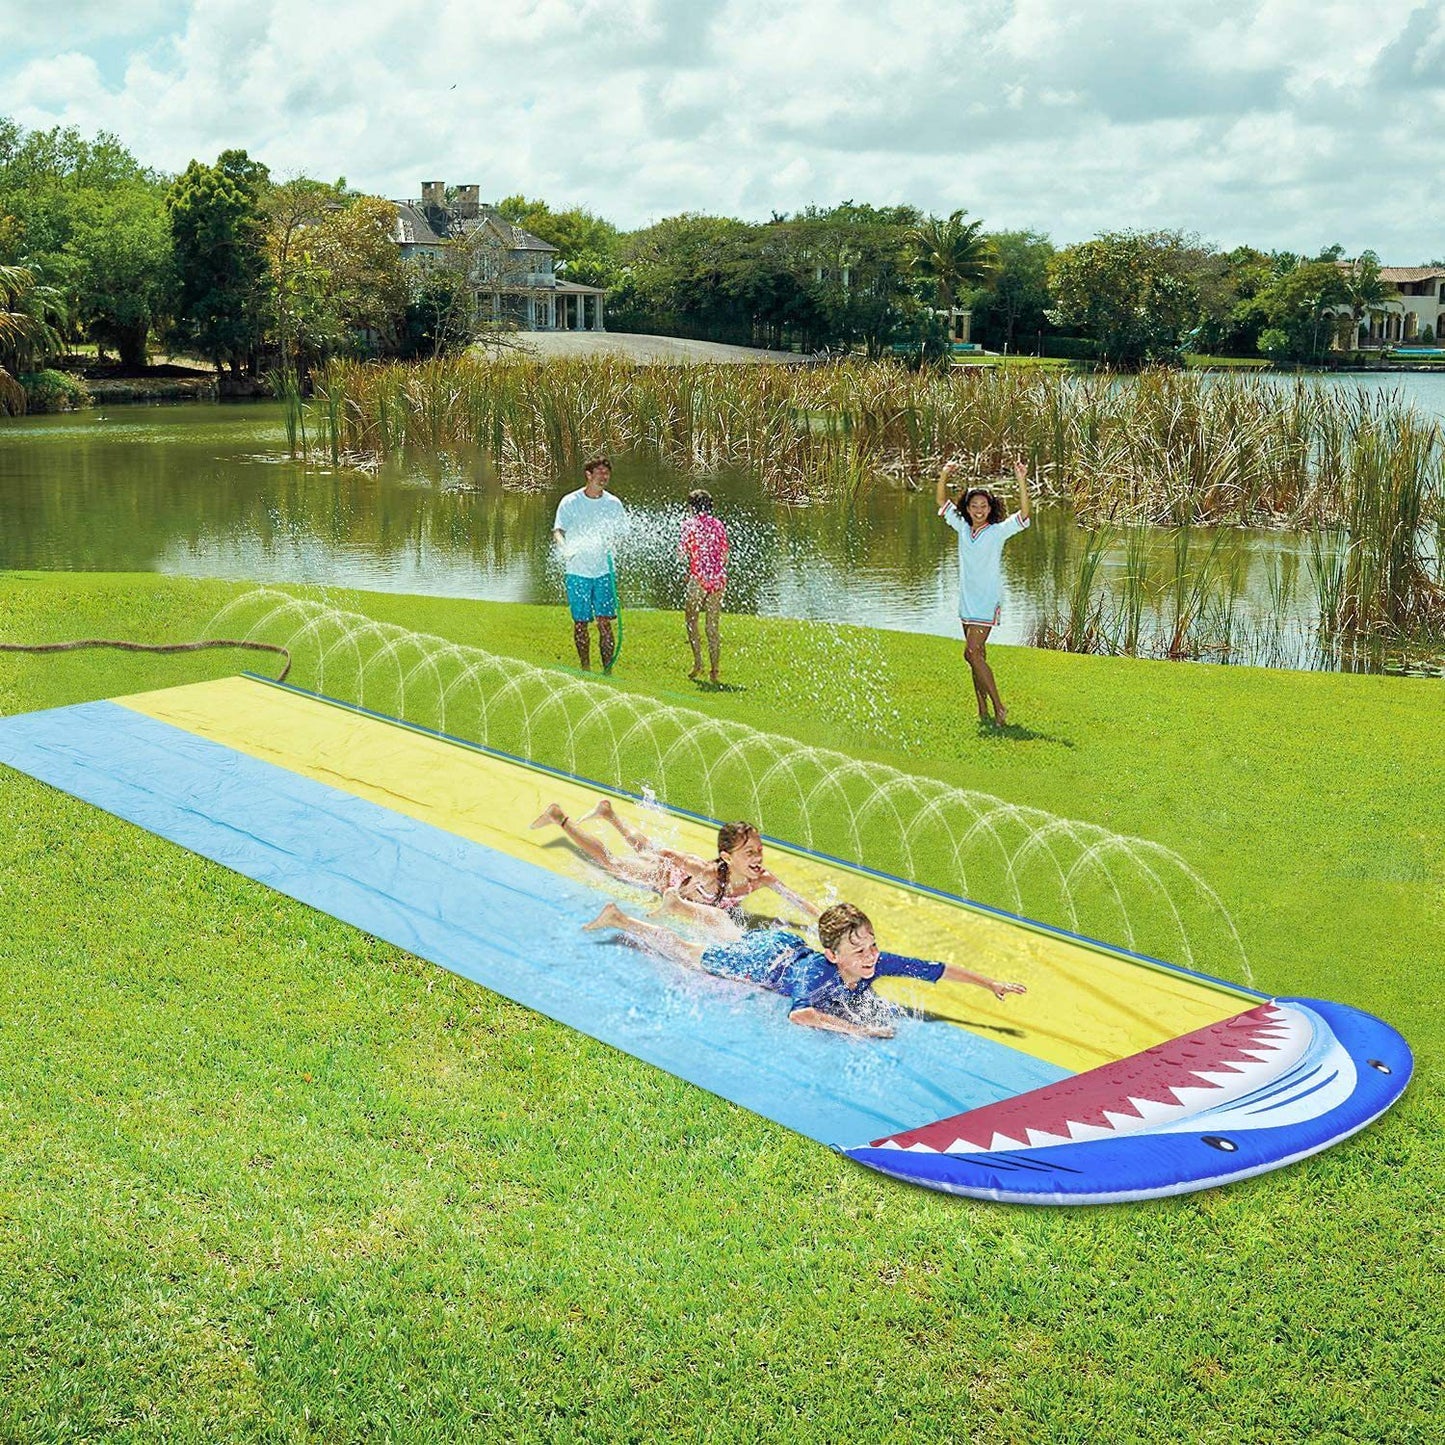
{"x":1279,"y":122}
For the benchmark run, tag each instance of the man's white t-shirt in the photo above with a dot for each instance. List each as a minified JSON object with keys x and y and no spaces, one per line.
{"x":590,"y":528}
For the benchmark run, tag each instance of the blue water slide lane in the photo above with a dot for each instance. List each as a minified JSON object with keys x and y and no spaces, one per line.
{"x":511,"y":926}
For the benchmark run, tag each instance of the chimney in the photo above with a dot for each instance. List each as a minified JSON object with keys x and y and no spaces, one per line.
{"x":468,"y":205}
{"x":434,"y":195}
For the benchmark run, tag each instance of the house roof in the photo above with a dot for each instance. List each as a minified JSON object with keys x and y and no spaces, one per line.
{"x":412,"y":226}
{"x":1410,"y":273}
{"x":416,"y":229}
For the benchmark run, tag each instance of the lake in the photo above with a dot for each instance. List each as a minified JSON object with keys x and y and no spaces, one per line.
{"x":207,"y":490}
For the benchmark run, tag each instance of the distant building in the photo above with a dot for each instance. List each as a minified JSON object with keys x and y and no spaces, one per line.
{"x":513,"y":270}
{"x":1416,"y":308}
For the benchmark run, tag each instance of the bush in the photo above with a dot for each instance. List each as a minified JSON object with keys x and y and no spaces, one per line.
{"x":53,"y":391}
{"x":1275,"y":344}
{"x":1072,"y":348}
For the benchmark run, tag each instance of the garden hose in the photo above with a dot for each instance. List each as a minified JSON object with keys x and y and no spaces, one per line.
{"x":151,"y":647}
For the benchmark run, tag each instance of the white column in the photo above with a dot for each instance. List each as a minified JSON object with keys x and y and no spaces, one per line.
{"x":601,"y":323}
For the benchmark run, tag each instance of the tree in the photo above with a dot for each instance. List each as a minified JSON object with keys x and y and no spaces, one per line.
{"x":218,"y":229}
{"x":855,"y":257}
{"x":122,"y":276}
{"x":952,"y":253}
{"x":1134,"y":292}
{"x":1295,"y":304}
{"x":89,"y":216}
{"x":28,"y":331}
{"x":574,"y":232}
{"x":682,"y":271}
{"x":1014,"y":300}
{"x":1365,"y":292}
{"x":338,"y":280}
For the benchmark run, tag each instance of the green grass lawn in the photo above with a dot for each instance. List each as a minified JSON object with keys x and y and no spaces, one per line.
{"x":1200,"y":361}
{"x":265,"y":1177}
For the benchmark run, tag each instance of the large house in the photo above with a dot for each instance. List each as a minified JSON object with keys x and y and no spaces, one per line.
{"x":513,"y":271}
{"x":1415,"y":313}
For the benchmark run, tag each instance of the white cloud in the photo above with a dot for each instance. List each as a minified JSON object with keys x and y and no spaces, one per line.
{"x":1280,"y":122}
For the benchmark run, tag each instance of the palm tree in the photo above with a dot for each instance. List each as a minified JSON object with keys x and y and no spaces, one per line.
{"x":28,"y":335}
{"x":1366,"y":294}
{"x":952,"y":253}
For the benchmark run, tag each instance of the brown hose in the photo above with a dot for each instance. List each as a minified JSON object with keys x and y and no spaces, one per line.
{"x":151,"y":647}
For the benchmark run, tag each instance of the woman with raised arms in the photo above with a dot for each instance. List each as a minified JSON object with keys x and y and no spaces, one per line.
{"x":977,"y":516}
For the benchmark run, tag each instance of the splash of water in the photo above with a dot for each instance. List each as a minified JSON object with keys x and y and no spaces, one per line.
{"x":1069,"y":873}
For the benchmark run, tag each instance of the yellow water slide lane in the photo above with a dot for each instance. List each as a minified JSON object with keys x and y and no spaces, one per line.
{"x":1084,"y":1006}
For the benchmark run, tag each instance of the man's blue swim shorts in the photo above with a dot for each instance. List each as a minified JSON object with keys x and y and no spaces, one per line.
{"x":590,"y":597}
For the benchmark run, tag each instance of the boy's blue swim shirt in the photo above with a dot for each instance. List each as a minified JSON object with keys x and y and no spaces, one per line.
{"x":783,"y":962}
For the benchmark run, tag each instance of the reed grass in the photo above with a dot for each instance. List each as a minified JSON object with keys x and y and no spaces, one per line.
{"x":1168,"y":448}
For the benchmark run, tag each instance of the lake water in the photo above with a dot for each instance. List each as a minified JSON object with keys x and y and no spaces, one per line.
{"x":207,"y":490}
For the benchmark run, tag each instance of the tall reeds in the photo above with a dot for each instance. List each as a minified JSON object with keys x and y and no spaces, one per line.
{"x":1167,"y":448}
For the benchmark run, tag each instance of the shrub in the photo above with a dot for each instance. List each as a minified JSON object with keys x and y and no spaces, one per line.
{"x":1072,"y":348}
{"x":53,"y":391}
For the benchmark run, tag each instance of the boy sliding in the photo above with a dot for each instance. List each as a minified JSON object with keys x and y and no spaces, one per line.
{"x":831,"y":989}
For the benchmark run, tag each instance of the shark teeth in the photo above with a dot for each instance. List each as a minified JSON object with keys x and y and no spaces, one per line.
{"x":1148,"y":1091}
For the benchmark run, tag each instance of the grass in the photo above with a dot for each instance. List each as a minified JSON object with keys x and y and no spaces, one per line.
{"x":264,"y":1177}
{"x":1201,"y":361}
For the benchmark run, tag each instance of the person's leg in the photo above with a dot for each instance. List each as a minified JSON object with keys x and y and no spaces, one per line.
{"x":642,"y":871}
{"x":691,"y":605}
{"x":979,"y":695}
{"x":976,"y":650}
{"x":637,"y":840}
{"x":604,"y":608}
{"x":653,"y":936}
{"x":714,"y":640}
{"x":716,"y":921}
{"x":579,"y":599}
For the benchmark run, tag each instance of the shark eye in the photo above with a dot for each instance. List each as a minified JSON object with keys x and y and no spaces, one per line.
{"x":1380,"y":1066}
{"x":1225,"y":1146}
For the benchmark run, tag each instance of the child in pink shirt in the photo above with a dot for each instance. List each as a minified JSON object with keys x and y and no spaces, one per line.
{"x":704,"y":546}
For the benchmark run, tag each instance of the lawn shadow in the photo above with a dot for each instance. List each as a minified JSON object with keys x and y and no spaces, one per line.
{"x":700,"y":685}
{"x":1017,"y":733}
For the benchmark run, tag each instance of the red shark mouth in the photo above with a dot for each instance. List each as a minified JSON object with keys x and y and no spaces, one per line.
{"x":1145,"y":1091}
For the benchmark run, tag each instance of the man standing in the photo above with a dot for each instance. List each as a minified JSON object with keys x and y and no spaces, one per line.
{"x":589,"y":521}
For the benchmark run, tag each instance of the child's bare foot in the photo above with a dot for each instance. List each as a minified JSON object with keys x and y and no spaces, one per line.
{"x":602,"y":810}
{"x":610,"y":917}
{"x":551,"y":815}
{"x":695,"y":673}
{"x":672,"y":905}
{"x":1000,"y":716}
{"x":713,"y":677}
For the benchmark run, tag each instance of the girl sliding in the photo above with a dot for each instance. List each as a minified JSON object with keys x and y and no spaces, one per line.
{"x":706,"y":890}
{"x":977,"y":516}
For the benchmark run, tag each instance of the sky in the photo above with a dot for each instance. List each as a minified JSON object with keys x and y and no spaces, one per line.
{"x":1285,"y":124}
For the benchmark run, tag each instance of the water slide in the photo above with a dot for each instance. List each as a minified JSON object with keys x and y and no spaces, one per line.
{"x":1116,"y":1077}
